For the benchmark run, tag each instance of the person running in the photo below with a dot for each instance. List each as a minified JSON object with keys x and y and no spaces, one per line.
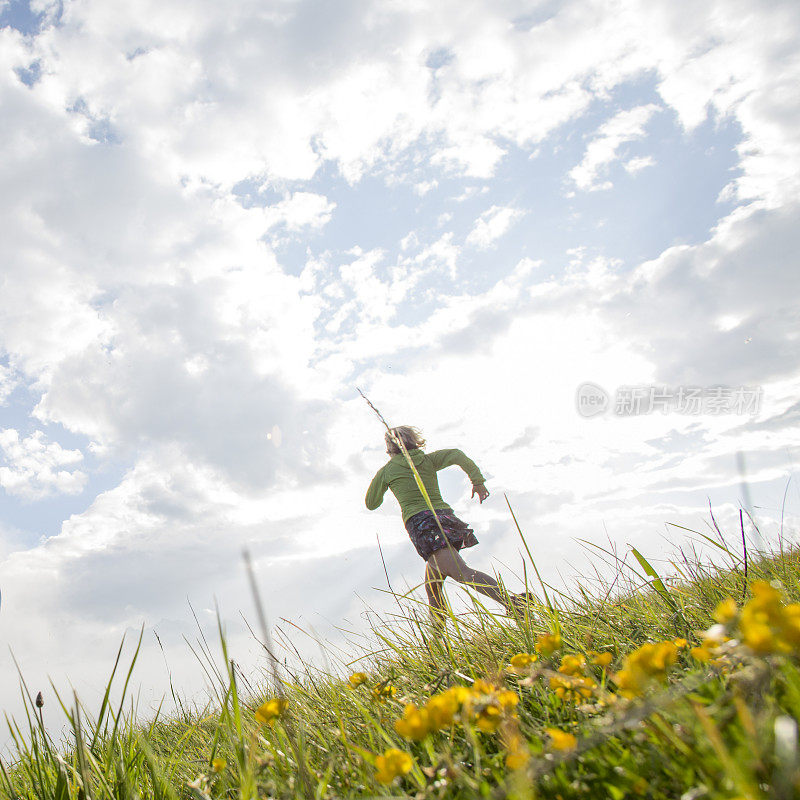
{"x":442,"y":559}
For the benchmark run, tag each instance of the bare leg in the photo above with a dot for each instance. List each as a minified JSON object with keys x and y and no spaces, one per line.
{"x":434,"y":586}
{"x":448,"y":562}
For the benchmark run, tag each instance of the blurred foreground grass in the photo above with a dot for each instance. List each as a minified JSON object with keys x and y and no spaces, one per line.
{"x":627,"y":688}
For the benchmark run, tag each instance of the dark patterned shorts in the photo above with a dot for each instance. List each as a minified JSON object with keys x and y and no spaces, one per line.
{"x":427,"y":538}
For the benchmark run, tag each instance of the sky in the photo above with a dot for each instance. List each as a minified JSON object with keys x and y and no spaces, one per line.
{"x":560,"y":236}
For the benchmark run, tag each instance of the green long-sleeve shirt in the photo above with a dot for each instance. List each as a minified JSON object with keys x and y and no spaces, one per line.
{"x":397,"y":476}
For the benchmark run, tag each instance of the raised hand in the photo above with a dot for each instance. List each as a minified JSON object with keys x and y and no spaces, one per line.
{"x":481,"y":490}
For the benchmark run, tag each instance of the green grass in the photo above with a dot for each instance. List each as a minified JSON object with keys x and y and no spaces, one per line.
{"x":721,"y":729}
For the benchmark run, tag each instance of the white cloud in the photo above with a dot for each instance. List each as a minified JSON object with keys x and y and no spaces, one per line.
{"x":423,"y":187}
{"x":440,"y":256}
{"x":603,"y":149}
{"x":301,"y":210}
{"x":476,"y":157}
{"x":7,"y":383}
{"x":493,"y":224}
{"x":715,"y":281}
{"x":634,"y":165}
{"x":34,"y":468}
{"x":180,"y":88}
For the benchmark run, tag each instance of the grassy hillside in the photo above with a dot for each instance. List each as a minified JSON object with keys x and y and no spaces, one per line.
{"x":624,"y":689}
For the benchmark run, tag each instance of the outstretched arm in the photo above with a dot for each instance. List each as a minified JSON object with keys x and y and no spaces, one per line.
{"x":377,"y":489}
{"x":455,"y":457}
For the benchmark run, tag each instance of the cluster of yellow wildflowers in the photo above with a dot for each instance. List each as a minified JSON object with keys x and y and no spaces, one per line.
{"x":380,"y":692}
{"x":383,"y":691}
{"x":271,"y":710}
{"x":442,"y":708}
{"x":487,"y":705}
{"x":767,"y":625}
{"x":483,"y":704}
{"x":717,"y":635}
{"x":572,"y":685}
{"x":546,"y":645}
{"x":645,"y":666}
{"x":392,"y":764}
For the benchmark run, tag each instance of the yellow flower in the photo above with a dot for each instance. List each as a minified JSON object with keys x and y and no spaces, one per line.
{"x":488,"y":718}
{"x":572,"y":665}
{"x":487,"y":705}
{"x":441,"y":710}
{"x":645,"y":665}
{"x":548,"y":643}
{"x":725,"y":612}
{"x":507,"y":698}
{"x":357,"y":678}
{"x":270,"y":710}
{"x":572,"y":688}
{"x":791,"y":624}
{"x":630,"y":683}
{"x":383,"y":691}
{"x":680,"y":643}
{"x":460,"y":694}
{"x":518,"y":753}
{"x":443,"y":707}
{"x":218,"y":765}
{"x":414,"y":723}
{"x":765,"y":595}
{"x":759,"y":637}
{"x":601,"y":660}
{"x":521,"y":661}
{"x":766,"y":625}
{"x":392,"y":764}
{"x":483,"y":687}
{"x":654,"y":658}
{"x":561,"y":740}
{"x":701,"y":653}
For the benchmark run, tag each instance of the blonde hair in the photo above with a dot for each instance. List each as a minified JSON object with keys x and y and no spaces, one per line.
{"x":410,"y":436}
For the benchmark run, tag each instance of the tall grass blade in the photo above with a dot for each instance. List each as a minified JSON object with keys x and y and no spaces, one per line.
{"x":658,"y":584}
